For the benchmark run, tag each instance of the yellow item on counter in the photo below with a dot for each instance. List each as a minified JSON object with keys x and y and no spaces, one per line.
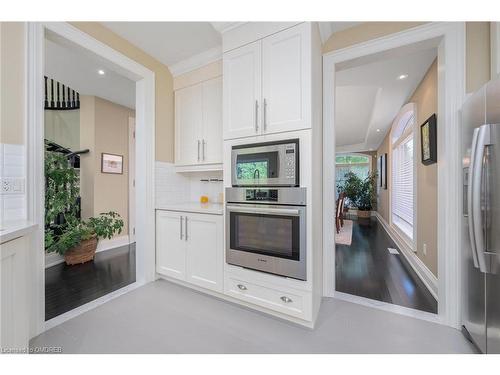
{"x":203,"y":199}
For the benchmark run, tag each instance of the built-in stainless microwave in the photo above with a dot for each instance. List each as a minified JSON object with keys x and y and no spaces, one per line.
{"x":266,"y":230}
{"x":266,"y":164}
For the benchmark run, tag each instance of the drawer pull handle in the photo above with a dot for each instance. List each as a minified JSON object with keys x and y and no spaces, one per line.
{"x":242,"y":287}
{"x":286,"y":299}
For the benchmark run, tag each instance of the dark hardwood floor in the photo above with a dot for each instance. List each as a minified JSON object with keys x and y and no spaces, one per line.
{"x":367,"y":269}
{"x":67,"y":287}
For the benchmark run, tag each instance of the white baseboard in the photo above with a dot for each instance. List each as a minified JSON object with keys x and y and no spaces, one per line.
{"x":427,"y":277}
{"x":53,"y":258}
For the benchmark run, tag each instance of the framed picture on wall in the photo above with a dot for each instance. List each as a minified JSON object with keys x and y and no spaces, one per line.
{"x":382,"y":170}
{"x":428,"y":138}
{"x":111,"y":163}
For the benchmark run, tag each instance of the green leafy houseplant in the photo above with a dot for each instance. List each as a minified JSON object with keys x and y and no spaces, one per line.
{"x":360,"y":192}
{"x":64,"y":230}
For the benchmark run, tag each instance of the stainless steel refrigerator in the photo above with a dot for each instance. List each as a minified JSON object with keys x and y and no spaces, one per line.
{"x":481,"y":218}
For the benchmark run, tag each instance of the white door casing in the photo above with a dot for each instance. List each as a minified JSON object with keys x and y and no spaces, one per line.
{"x":131,"y":179}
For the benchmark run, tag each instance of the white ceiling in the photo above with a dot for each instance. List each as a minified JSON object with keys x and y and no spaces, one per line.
{"x":169,"y":42}
{"x":78,"y":68}
{"x":369,"y":96}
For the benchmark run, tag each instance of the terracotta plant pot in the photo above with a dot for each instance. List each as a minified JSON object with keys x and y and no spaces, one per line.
{"x":82,"y":253}
{"x":364,"y":214}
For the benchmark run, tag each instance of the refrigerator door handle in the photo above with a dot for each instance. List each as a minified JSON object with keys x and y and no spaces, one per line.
{"x":470,"y":216}
{"x":483,"y":140}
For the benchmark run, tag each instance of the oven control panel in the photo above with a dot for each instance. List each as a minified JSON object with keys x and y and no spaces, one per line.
{"x":261,"y":195}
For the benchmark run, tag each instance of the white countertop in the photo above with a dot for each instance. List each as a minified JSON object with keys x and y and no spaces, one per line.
{"x":10,"y":230}
{"x":202,"y":208}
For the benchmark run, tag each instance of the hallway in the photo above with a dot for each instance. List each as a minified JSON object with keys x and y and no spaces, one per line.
{"x":368,"y":269}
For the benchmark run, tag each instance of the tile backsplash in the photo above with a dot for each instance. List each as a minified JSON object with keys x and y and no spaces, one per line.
{"x":173,"y":187}
{"x":12,"y":182}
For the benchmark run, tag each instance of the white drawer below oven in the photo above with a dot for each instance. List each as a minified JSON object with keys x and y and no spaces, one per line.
{"x":295,"y":303}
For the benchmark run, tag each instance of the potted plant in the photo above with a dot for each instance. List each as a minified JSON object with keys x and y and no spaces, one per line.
{"x":361,"y":192}
{"x":65,"y":232}
{"x":78,"y":241}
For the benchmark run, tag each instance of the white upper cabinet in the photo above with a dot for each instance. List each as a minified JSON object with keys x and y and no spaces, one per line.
{"x":242,"y":91}
{"x":286,"y":80}
{"x":198,"y":124}
{"x":267,"y":84}
{"x":188,"y":125}
{"x":212,"y":121}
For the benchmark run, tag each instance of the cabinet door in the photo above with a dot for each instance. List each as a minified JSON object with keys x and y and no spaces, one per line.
{"x":212,"y":121}
{"x":170,"y":244}
{"x":205,"y":251}
{"x":242,"y":91}
{"x":286,"y":80}
{"x":188,"y":125}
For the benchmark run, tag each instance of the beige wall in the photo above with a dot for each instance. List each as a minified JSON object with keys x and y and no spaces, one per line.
{"x":204,"y":73}
{"x":477,"y":45}
{"x":104,"y":128}
{"x":425,"y":99}
{"x":163,"y":85}
{"x":63,"y":128}
{"x":12,"y":78}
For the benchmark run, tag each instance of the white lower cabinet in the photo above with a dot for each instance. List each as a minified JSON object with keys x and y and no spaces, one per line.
{"x":297,"y":303}
{"x":14,"y":318}
{"x":189,"y":247}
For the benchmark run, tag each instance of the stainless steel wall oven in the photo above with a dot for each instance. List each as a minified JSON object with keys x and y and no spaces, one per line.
{"x":266,"y":230}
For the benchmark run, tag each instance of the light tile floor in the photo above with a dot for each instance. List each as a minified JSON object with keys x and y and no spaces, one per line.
{"x":162,"y":317}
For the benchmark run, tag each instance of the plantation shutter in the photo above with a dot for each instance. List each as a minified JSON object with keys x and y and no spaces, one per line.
{"x":402,"y":180}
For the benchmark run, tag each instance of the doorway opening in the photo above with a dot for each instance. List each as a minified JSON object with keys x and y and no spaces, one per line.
{"x":139,"y":104}
{"x":89,"y":130}
{"x":446,"y":42}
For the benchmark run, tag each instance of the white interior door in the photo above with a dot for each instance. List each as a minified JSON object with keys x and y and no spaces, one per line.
{"x":212,"y":121}
{"x":204,"y":251}
{"x":131,"y":179}
{"x":188,"y":125}
{"x":170,"y":245}
{"x":286,"y":80}
{"x":242,"y":91}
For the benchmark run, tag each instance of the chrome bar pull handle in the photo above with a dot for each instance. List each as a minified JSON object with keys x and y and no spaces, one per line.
{"x":198,"y":150}
{"x":186,"y":228}
{"x":256,"y":116}
{"x":180,"y":230}
{"x":477,"y":178}
{"x":242,"y":287}
{"x":203,"y":149}
{"x":286,"y":299}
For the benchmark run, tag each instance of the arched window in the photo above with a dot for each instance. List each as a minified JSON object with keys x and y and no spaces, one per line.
{"x":360,"y":164}
{"x":402,"y":193}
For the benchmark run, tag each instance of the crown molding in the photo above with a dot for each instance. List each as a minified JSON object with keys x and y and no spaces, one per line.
{"x":196,"y":61}
{"x":325,"y":31}
{"x":223,"y":27}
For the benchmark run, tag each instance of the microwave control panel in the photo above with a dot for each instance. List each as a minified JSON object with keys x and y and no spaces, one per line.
{"x":290,"y":161}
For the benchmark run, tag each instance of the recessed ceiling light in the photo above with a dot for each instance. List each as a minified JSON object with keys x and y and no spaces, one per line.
{"x":403,"y":76}
{"x":101,"y":72}
{"x":378,"y":130}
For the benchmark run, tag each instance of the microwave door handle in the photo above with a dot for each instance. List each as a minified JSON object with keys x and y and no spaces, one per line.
{"x":483,"y":140}
{"x":254,"y":210}
{"x":470,"y":216}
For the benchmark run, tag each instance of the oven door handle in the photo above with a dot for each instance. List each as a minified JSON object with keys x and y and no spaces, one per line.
{"x":258,"y":210}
